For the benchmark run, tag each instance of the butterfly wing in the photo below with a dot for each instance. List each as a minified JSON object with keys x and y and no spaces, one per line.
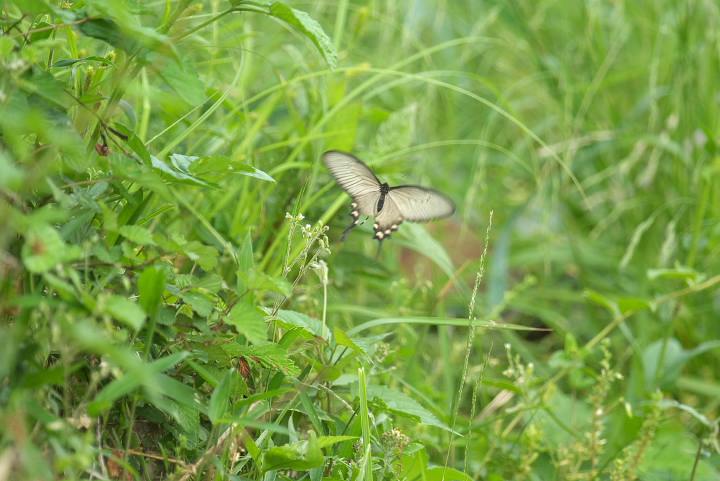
{"x":356,"y":179}
{"x":406,"y":202}
{"x":420,"y":204}
{"x":412,"y":203}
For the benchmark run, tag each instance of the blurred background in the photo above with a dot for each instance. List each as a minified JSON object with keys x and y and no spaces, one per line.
{"x":577,"y":139}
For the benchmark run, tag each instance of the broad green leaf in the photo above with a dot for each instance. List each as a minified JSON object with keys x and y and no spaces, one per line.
{"x":298,"y":319}
{"x":128,"y":169}
{"x":627,"y":304}
{"x":126,"y":311}
{"x":182,"y":78}
{"x":108,"y":31}
{"x":199,"y":302}
{"x":219,"y":164}
{"x":260,"y":281}
{"x":402,"y":404}
{"x":248,"y":322}
{"x":205,"y":256}
{"x":299,"y":456}
{"x":43,"y":249}
{"x":310,"y":27}
{"x":180,"y":177}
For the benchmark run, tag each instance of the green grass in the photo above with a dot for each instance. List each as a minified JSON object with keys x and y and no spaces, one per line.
{"x":180,"y":307}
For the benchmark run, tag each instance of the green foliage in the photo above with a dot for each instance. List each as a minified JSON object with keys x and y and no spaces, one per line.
{"x":174,"y":304}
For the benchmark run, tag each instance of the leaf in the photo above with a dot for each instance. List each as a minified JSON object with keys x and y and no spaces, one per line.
{"x":298,"y":319}
{"x":627,"y":304}
{"x":601,"y":300}
{"x":199,"y":302}
{"x":401,"y":403}
{"x":179,"y":176}
{"x":397,"y":132}
{"x":205,"y":256}
{"x":220,"y":398}
{"x":300,"y":456}
{"x":268,"y":356}
{"x":180,"y":77}
{"x":310,"y":27}
{"x":260,"y":281}
{"x":137,"y":234}
{"x":72,"y":61}
{"x":677,"y":273}
{"x":342,"y":339}
{"x":219,"y":164}
{"x":43,"y":249}
{"x":325,"y":441}
{"x":108,"y":31}
{"x":248,"y":322}
{"x":126,"y":311}
{"x":151,"y":286}
{"x":128,"y":169}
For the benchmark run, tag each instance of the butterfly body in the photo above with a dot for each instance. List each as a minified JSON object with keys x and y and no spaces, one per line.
{"x":390,"y":206}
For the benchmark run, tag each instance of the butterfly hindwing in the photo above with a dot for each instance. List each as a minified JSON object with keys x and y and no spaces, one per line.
{"x":389,"y":205}
{"x":420,"y":204}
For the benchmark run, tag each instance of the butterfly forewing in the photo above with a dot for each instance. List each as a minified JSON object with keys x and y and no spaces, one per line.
{"x":355,"y":178}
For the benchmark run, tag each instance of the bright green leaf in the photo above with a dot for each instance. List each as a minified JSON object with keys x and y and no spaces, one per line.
{"x":126,"y":311}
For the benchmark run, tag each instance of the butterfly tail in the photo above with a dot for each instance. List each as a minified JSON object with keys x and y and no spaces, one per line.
{"x":347,"y":231}
{"x":377,"y":256}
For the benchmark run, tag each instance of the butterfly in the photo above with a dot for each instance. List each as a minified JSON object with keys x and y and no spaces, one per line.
{"x":390,"y":206}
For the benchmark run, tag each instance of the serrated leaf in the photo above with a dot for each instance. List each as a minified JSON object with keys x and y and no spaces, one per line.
{"x":310,"y":27}
{"x":248,"y":322}
{"x":343,"y":339}
{"x":137,"y":234}
{"x":126,"y":311}
{"x":198,"y":301}
{"x":270,"y":356}
{"x":205,"y":256}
